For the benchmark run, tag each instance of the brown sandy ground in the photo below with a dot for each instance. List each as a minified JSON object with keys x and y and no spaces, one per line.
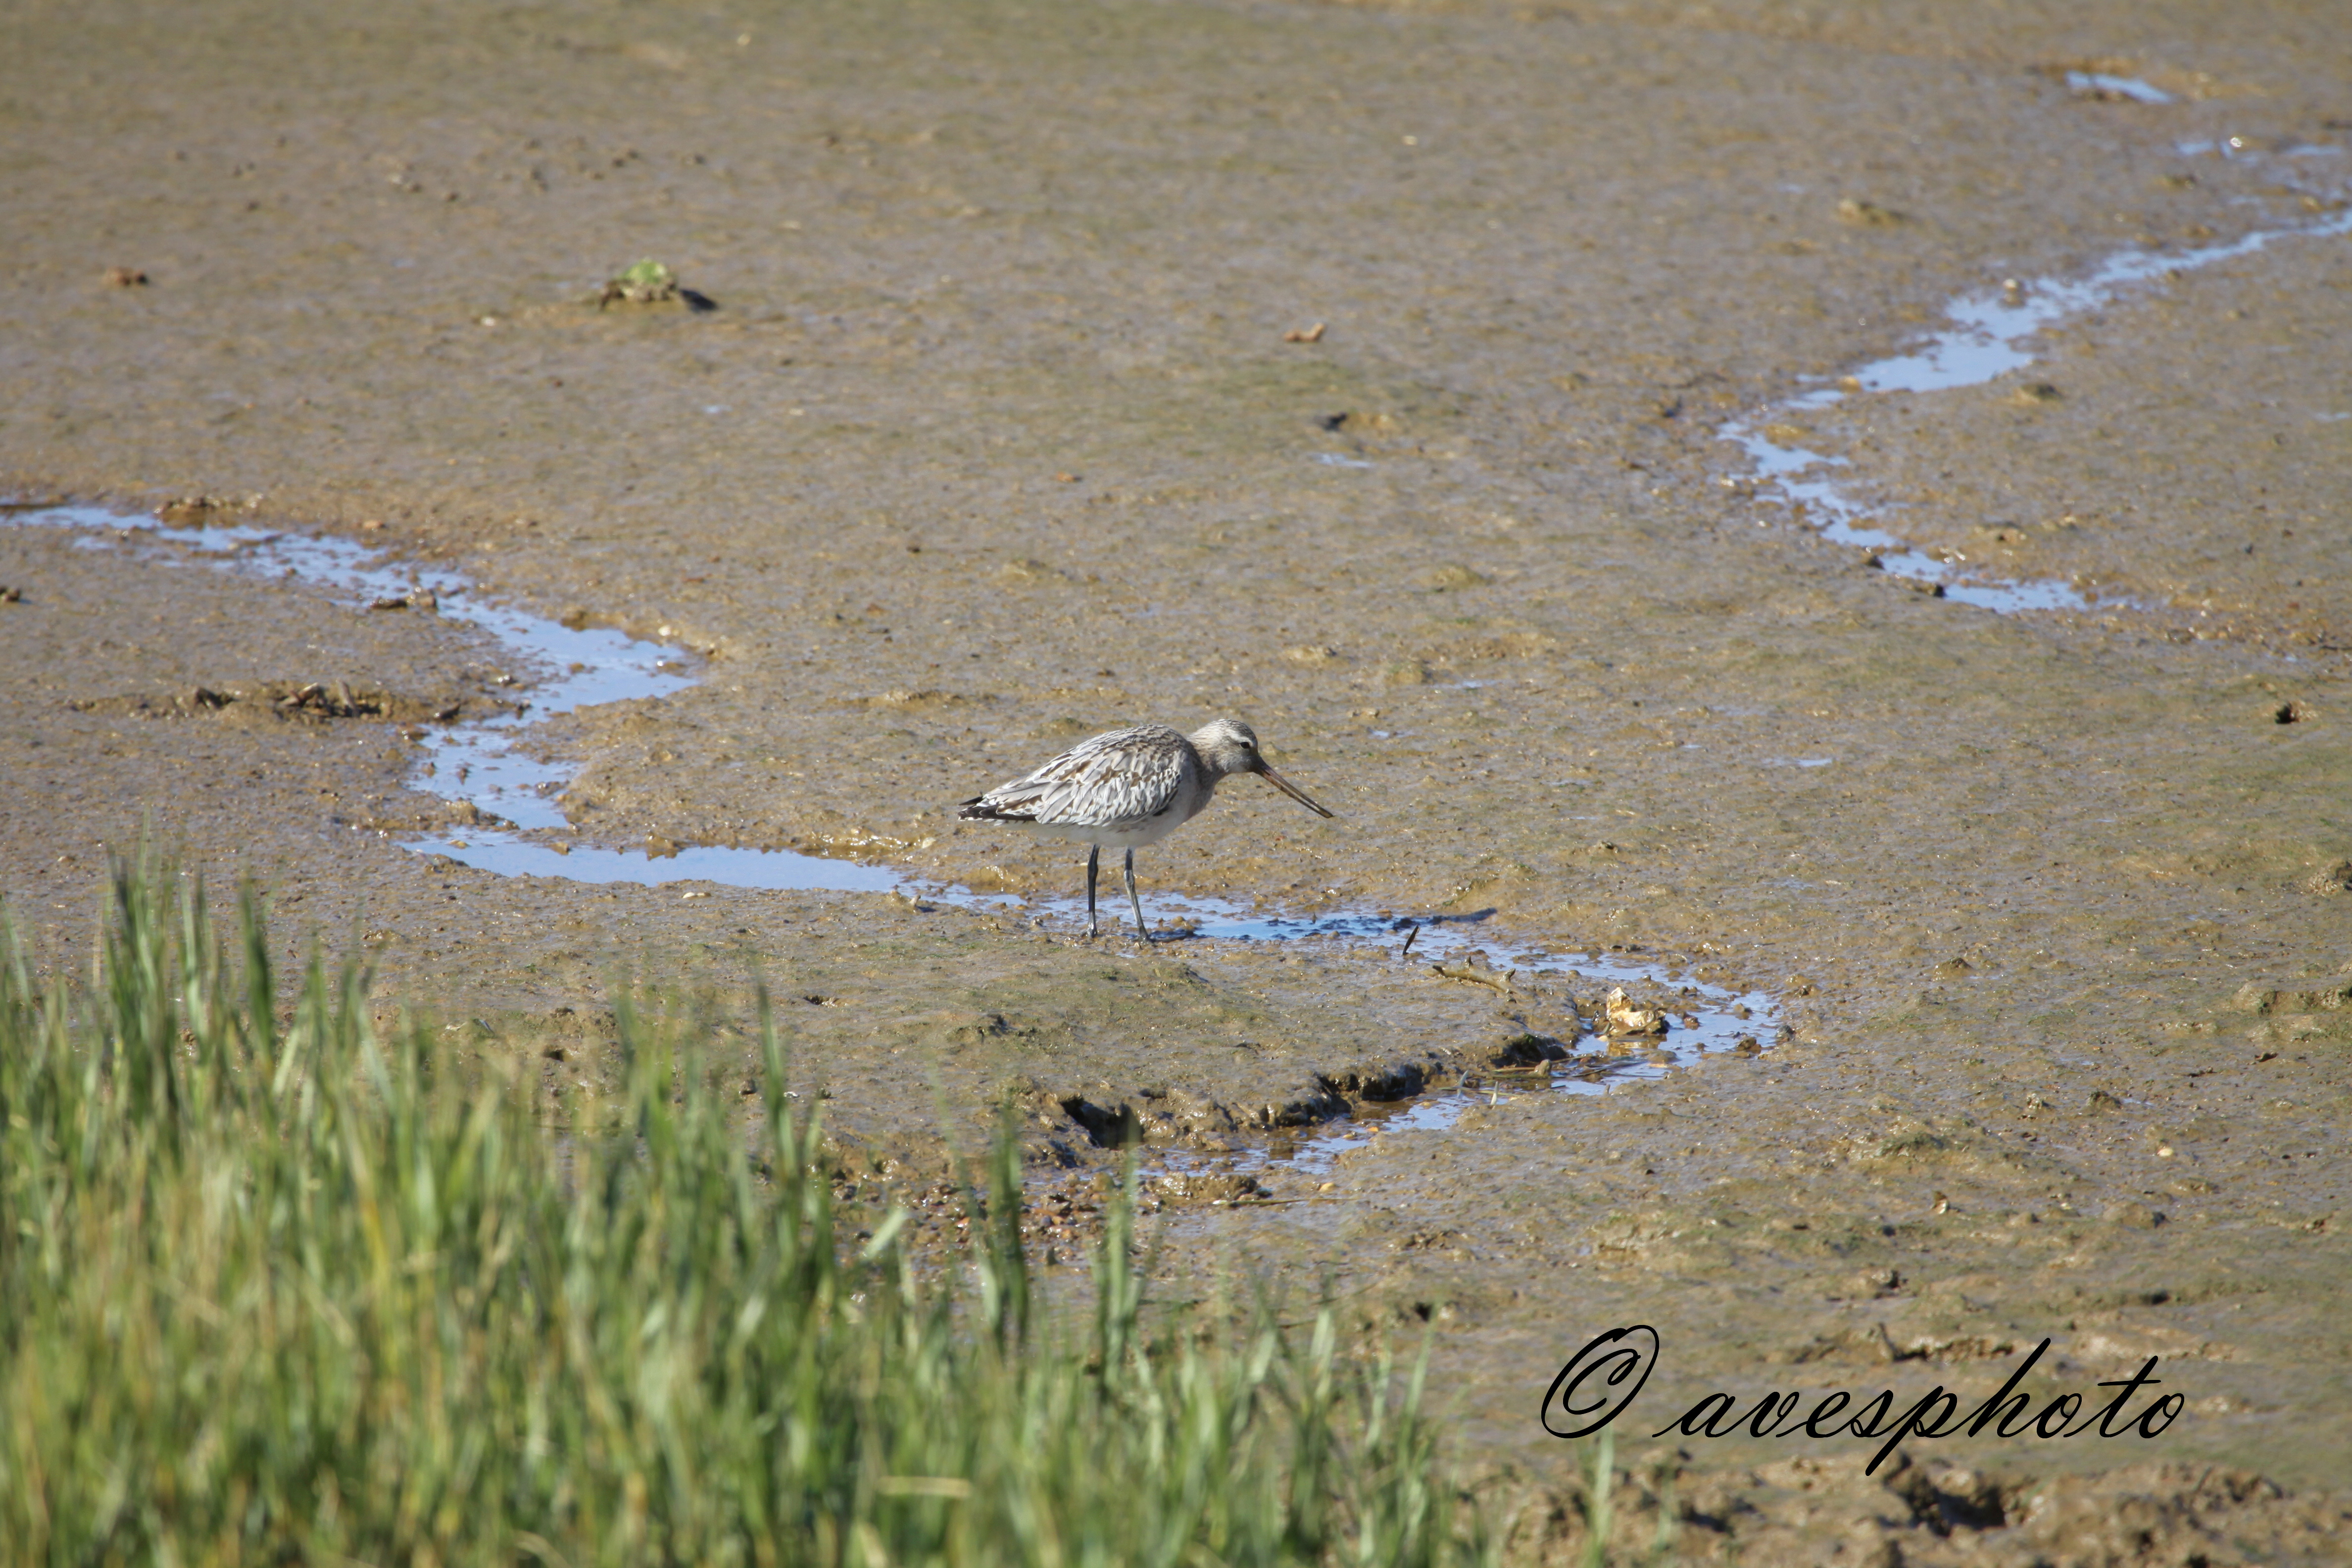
{"x":2066,"y":896}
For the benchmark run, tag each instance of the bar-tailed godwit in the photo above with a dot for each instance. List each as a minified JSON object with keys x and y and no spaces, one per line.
{"x":1127,"y":788}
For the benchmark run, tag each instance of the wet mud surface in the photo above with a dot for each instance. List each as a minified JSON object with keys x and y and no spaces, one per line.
{"x":1010,"y":424}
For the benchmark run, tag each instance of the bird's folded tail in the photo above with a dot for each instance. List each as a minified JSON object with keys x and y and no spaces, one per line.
{"x":985,"y":809}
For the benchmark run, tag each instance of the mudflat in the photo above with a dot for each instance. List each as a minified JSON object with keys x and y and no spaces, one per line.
{"x":1475,"y":400}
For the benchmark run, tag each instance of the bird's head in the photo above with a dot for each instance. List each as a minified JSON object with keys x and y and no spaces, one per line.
{"x":1229,"y":746}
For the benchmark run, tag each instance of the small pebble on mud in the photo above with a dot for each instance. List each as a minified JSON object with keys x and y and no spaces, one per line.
{"x":1869,"y":215}
{"x":1625,"y":1018}
{"x":2328,"y":883}
{"x":1313,"y":334}
{"x":125,"y":278}
{"x":188,"y":508}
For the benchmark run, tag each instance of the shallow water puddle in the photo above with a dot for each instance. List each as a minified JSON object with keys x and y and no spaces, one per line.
{"x":478,"y":762}
{"x":1989,"y":336}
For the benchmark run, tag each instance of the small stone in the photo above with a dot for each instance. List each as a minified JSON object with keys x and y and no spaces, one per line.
{"x":1313,"y":334}
{"x":1869,"y":215}
{"x":187,"y":509}
{"x":125,"y":278}
{"x":1404,"y":672}
{"x":1625,"y":1018}
{"x":1454,"y":577}
{"x":2327,"y":884}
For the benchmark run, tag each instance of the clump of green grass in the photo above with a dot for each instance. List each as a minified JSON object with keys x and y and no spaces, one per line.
{"x":275,"y":1289}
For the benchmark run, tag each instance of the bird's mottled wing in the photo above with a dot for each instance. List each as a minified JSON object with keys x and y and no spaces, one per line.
{"x":1124,"y":776}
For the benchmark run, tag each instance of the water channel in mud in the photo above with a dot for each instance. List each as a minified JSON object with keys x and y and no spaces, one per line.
{"x":481,"y":763}
{"x":1989,"y":336}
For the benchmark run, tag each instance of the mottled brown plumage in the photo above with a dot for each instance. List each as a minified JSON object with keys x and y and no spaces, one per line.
{"x":1127,"y":788}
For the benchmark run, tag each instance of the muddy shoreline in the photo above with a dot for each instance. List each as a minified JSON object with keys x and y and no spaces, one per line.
{"x":1009,"y":426}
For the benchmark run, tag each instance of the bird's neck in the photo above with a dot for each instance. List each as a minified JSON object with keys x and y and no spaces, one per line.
{"x":1206,"y":793}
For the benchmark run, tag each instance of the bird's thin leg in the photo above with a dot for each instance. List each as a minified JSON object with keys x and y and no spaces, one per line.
{"x":1094,"y":859}
{"x":1140,"y":929}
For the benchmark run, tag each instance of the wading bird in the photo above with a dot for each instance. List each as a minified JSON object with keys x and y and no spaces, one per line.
{"x":1127,"y":788}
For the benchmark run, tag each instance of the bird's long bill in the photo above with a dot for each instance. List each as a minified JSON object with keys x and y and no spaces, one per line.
{"x":1292,"y":790}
